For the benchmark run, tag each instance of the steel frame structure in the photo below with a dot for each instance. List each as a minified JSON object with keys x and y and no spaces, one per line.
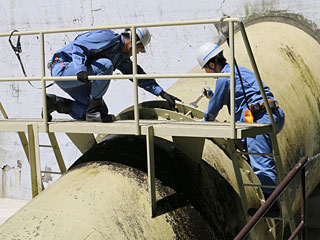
{"x":150,"y":128}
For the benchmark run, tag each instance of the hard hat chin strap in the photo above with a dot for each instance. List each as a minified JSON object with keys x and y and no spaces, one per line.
{"x":129,"y":49}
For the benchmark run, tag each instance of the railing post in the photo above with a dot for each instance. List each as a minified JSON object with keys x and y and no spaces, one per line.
{"x":43,"y":82}
{"x":303,"y":201}
{"x":232,"y":80}
{"x":151,"y":170}
{"x":256,"y":72}
{"x":135,"y":80}
{"x":34,"y":158}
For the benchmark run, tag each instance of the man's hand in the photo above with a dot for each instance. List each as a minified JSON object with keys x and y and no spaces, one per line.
{"x":170,"y":99}
{"x":83,"y":77}
{"x":207,"y":92}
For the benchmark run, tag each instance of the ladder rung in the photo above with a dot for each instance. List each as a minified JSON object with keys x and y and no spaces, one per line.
{"x":188,"y":113}
{"x":247,"y":153}
{"x":51,"y":172}
{"x":48,"y":146}
{"x":278,"y":218}
{"x":259,"y":185}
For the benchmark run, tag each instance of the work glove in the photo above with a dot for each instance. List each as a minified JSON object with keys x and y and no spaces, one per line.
{"x":83,"y":77}
{"x":170,"y":99}
{"x":207,"y":92}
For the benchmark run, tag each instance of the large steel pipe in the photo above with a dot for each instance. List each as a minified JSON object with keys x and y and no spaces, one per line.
{"x":108,"y":198}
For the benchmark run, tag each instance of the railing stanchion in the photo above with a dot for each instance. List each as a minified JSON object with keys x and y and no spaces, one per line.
{"x":135,"y":80}
{"x":151,"y":170}
{"x":303,"y":201}
{"x":43,"y":82}
{"x":232,"y":81}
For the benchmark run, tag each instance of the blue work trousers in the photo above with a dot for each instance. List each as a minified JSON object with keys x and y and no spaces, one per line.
{"x":80,"y":91}
{"x":263,"y":166}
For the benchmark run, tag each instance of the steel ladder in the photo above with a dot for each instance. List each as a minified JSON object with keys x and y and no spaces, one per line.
{"x":238,"y":153}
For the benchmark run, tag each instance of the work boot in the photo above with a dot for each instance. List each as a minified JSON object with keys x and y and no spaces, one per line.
{"x":59,"y":104}
{"x":98,"y":112}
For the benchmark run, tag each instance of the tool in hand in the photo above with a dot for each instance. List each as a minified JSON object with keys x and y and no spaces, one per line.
{"x":194,"y":104}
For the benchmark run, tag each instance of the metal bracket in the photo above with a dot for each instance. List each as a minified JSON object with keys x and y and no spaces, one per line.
{"x":83,"y":141}
{"x":192,"y":146}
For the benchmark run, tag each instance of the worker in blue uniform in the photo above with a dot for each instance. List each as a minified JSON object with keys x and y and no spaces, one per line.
{"x":211,"y":59}
{"x":97,"y":53}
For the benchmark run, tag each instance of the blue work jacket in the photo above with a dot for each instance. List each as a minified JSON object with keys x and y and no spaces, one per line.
{"x":221,"y":94}
{"x":93,"y":45}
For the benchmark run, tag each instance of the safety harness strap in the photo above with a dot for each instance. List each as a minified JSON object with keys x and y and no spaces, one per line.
{"x":17,"y":50}
{"x":235,"y":62}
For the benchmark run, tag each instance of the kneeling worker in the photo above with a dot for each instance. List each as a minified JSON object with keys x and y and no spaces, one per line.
{"x":97,"y":53}
{"x":211,"y":59}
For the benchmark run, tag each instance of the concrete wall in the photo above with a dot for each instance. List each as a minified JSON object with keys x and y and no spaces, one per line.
{"x":171,"y":51}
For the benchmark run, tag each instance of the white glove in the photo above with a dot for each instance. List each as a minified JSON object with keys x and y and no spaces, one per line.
{"x":207,"y":92}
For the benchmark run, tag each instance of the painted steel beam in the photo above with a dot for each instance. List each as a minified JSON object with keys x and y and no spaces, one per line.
{"x":34,"y":158}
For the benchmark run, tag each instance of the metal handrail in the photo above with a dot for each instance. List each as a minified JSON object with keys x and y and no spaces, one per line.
{"x":118,"y":76}
{"x":136,"y":76}
{"x":121,"y":26}
{"x":300,"y":166}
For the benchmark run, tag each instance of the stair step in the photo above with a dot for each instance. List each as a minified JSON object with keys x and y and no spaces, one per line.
{"x":51,"y":172}
{"x":259,"y":185}
{"x":260,"y":154}
{"x":47,"y":146}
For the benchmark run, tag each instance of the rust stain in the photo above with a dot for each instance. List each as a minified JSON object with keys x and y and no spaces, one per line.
{"x":5,"y":169}
{"x":302,"y":68}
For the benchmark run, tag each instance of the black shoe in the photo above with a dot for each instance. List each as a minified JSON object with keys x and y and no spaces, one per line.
{"x":59,"y":104}
{"x":274,"y":211}
{"x":98,"y":112}
{"x":108,"y":118}
{"x":93,"y":113}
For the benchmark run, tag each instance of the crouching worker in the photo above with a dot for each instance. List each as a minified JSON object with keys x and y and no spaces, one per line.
{"x":211,"y":59}
{"x":97,"y":53}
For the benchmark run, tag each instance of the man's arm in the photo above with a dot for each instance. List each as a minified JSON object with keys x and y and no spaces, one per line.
{"x":149,"y":85}
{"x":222,"y":92}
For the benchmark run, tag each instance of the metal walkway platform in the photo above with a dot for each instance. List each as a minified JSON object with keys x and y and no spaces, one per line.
{"x":161,"y":127}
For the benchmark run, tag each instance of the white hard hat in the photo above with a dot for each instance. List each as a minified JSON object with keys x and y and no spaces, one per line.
{"x":206,"y":52}
{"x":144,"y":37}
